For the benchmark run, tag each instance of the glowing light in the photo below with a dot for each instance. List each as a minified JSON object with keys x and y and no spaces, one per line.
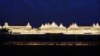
{"x":53,"y":28}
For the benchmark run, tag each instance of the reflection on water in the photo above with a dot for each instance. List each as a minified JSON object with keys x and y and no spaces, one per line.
{"x":39,"y":43}
{"x":51,"y":45}
{"x":13,"y":50}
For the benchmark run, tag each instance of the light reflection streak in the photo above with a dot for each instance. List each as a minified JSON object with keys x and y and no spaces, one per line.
{"x":52,"y":43}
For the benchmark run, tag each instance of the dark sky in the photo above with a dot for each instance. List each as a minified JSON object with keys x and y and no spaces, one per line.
{"x":19,"y":12}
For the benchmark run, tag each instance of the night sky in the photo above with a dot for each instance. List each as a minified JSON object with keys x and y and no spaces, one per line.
{"x":19,"y":12}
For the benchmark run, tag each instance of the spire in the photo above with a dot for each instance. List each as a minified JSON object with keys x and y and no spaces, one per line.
{"x":54,"y":24}
{"x":28,"y":25}
{"x":61,"y":25}
{"x":93,"y":24}
{"x":6,"y":25}
{"x":74,"y":25}
{"x":97,"y":25}
{"x":42,"y":26}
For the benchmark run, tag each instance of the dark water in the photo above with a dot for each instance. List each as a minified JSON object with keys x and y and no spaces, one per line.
{"x":8,"y":50}
{"x":50,"y":50}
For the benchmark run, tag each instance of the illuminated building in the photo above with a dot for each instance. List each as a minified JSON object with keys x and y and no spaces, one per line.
{"x":53,"y":28}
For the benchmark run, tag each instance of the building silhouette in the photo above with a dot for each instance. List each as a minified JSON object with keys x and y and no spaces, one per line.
{"x":53,"y":28}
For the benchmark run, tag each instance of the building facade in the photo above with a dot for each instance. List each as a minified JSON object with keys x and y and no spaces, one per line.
{"x":53,"y":28}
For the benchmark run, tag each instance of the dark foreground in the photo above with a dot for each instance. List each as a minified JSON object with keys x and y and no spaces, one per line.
{"x":48,"y":49}
{"x":13,"y":50}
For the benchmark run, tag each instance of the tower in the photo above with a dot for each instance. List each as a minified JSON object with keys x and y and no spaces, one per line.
{"x":41,"y":26}
{"x":61,"y":26}
{"x":74,"y":25}
{"x":28,"y":26}
{"x":53,"y":24}
{"x":93,"y":24}
{"x":96,"y":25}
{"x":6,"y":25}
